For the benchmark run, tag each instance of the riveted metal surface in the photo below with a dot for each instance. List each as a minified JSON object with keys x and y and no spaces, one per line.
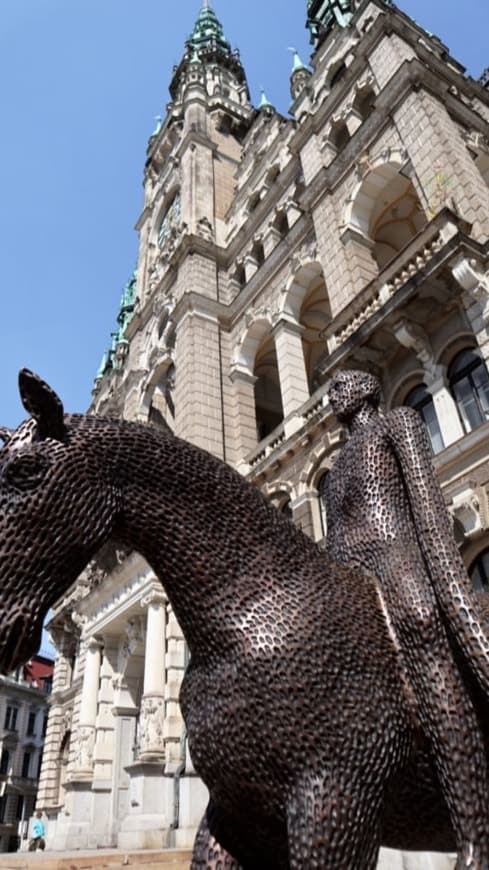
{"x":305,"y":717}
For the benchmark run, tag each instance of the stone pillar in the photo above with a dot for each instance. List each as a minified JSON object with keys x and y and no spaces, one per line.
{"x":250,"y":266}
{"x":271,"y":239}
{"x":474,"y":280}
{"x":88,"y":709}
{"x":243,"y":420}
{"x":152,"y":713}
{"x":446,"y":410}
{"x":291,"y":366}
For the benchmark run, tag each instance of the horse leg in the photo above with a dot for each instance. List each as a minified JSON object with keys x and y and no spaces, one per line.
{"x":208,"y":853}
{"x":333,"y":823}
{"x":449,"y":720}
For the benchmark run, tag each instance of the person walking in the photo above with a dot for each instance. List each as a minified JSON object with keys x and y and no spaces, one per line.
{"x":38,"y":834}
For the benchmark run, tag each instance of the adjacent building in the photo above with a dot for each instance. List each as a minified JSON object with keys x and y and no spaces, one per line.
{"x":353,"y":232}
{"x":23,"y":722}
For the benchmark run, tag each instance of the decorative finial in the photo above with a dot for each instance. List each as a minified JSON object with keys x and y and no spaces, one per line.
{"x":298,"y":62}
{"x":264,"y":101}
{"x":206,"y":4}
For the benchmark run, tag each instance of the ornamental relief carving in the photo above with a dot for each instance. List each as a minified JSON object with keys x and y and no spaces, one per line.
{"x":151,"y":725}
{"x":85,"y":747}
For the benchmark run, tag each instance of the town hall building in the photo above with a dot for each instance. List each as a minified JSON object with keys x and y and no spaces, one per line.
{"x":273,"y":250}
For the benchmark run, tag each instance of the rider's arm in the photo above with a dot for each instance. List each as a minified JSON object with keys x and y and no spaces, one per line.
{"x":410,"y":442}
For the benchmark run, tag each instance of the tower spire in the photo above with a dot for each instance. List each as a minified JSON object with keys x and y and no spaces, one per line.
{"x":208,"y":44}
{"x":323,"y":15}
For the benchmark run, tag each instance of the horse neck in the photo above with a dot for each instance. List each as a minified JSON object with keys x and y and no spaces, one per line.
{"x":202,"y":529}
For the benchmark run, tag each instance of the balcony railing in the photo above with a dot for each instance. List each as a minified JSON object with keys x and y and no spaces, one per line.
{"x":413,"y":259}
{"x":310,"y":412}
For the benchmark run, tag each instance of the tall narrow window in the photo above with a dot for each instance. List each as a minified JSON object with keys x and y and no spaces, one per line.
{"x":11,"y":714}
{"x":322,"y":493}
{"x":26,"y":763}
{"x":479,"y":572}
{"x":4,"y":762}
{"x":469,"y":383}
{"x":31,"y":724}
{"x":422,"y":401}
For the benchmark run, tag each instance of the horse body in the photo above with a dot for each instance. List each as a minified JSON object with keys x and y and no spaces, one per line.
{"x":296,"y":711}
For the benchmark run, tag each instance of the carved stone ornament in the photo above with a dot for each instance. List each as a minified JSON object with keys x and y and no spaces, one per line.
{"x":133,"y":637}
{"x":85,"y":746}
{"x":151,"y":724}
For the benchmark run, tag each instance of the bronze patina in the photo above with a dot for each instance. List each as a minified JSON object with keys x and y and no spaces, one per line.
{"x":298,"y":699}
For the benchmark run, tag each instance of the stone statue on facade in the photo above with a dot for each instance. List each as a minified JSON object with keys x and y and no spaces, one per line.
{"x":302,"y":714}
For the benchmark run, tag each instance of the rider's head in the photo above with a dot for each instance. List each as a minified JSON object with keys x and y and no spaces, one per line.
{"x":350,"y":391}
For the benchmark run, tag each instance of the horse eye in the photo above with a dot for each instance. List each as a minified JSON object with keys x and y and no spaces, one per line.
{"x":26,"y":472}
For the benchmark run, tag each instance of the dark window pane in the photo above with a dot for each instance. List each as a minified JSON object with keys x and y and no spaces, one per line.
{"x":479,"y":572}
{"x":422,"y":401}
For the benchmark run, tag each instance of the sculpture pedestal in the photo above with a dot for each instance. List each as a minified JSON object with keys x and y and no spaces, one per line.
{"x":148,"y":821}
{"x":391,"y":860}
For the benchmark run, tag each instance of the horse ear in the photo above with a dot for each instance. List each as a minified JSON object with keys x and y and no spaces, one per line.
{"x":42,"y":403}
{"x":5,"y":434}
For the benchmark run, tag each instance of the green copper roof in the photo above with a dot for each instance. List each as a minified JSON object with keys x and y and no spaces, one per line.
{"x":298,"y":64}
{"x":209,"y":45}
{"x":126,"y":307}
{"x":264,"y":101}
{"x":126,"y":310}
{"x":208,"y":32}
{"x":322,"y":15}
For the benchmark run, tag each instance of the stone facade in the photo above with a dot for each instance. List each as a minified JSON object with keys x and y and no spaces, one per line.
{"x":23,"y":722}
{"x":272,"y":251}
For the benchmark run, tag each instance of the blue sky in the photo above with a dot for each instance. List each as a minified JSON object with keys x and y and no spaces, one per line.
{"x":82,"y":81}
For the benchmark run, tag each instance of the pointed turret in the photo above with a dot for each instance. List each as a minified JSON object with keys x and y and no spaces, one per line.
{"x":208,"y":33}
{"x":323,"y":15}
{"x":299,"y":76}
{"x":209,"y":45}
{"x":265,"y":105}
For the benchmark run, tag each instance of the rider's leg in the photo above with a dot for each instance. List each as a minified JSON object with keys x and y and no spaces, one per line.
{"x":208,"y":853}
{"x":333,"y":821}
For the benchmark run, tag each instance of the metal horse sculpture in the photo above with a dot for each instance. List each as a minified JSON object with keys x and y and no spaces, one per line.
{"x":294,"y":700}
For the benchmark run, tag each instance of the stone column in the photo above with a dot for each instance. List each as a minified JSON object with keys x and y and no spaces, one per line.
{"x":474,"y":280}
{"x":243,"y":419}
{"x":294,"y":384}
{"x":88,"y":708}
{"x":446,"y":410}
{"x":152,"y":713}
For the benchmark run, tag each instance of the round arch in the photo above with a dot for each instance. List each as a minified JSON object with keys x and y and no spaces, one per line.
{"x":402,"y":387}
{"x":298,"y":286}
{"x":385,"y":209}
{"x":256,"y":332}
{"x":171,"y":196}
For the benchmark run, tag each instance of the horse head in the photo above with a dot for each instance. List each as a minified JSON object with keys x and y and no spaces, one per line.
{"x":57,"y":506}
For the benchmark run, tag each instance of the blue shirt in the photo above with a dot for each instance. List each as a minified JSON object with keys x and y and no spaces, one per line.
{"x":38,"y":828}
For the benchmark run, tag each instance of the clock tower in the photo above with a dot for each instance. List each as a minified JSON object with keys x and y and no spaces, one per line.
{"x":192,"y":162}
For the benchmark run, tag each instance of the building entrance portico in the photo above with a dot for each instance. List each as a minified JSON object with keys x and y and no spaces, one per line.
{"x":127,"y":761}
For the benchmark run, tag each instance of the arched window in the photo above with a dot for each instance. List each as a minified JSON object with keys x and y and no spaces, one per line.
{"x":281,"y":223}
{"x":364,"y":102}
{"x":340,"y":135}
{"x":268,"y":396}
{"x":479,"y":572}
{"x":282,"y":502}
{"x":170,"y":221}
{"x":162,"y":408}
{"x":322,"y":494}
{"x":469,"y":383}
{"x":4,"y":762}
{"x":422,"y":401}
{"x":258,"y":253}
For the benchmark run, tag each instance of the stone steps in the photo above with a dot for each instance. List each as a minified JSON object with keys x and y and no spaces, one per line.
{"x":101,"y":859}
